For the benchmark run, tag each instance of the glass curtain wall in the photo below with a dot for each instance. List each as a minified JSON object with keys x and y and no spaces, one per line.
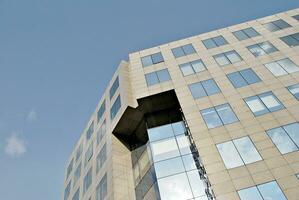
{"x":168,"y":166}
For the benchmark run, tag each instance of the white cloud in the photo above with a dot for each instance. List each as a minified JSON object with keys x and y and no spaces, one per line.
{"x":32,"y":116}
{"x":15,"y":146}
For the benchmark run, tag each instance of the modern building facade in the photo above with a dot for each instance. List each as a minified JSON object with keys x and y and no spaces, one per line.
{"x":214,"y":116}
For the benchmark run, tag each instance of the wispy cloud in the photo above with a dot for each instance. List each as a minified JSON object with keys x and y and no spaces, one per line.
{"x":15,"y":146}
{"x":31,"y":116}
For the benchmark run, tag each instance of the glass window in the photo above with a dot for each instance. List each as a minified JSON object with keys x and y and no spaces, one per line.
{"x":67,"y":191}
{"x":77,"y":174}
{"x":169,"y":167}
{"x":189,"y":162}
{"x":178,"y":128}
{"x":101,"y":132}
{"x":101,"y":158}
{"x":243,"y":78}
{"x":192,"y":67}
{"x":183,"y":50}
{"x":263,"y":103}
{"x":285,"y":138}
{"x":261,"y":49}
{"x":184,"y":144}
{"x":297,"y":175}
{"x":245,"y":34}
{"x":79,"y":152}
{"x":203,"y":88}
{"x":152,"y":59}
{"x":265,"y":191}
{"x":115,"y":107}
{"x":101,"y":191}
{"x":291,"y":40}
{"x":114,"y":87}
{"x":238,"y":152}
{"x":101,"y":111}
{"x":294,"y":89}
{"x":282,"y":67}
{"x":87,"y":180}
{"x":89,"y":153}
{"x":296,"y":17}
{"x":160,"y":132}
{"x":77,"y":195}
{"x":197,"y":185}
{"x":214,"y":42}
{"x":276,"y":25}
{"x":163,"y":75}
{"x":175,"y":187}
{"x":157,"y":77}
{"x":90,"y":131}
{"x":164,"y":149}
{"x":227,"y":58}
{"x":218,"y":116}
{"x":69,"y":168}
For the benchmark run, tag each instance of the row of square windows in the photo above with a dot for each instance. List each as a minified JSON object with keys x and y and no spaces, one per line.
{"x":257,"y":49}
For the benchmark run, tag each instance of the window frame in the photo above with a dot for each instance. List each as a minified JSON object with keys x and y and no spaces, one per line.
{"x":244,"y":79}
{"x":150,"y":58}
{"x":225,"y":55}
{"x":245,"y":33}
{"x":180,"y":51}
{"x":213,"y":41}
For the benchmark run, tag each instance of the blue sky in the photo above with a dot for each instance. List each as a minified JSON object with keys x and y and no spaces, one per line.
{"x":56,"y":57}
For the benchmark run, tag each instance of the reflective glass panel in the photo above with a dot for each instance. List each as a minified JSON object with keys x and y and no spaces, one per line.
{"x":250,"y":76}
{"x":250,"y":194}
{"x":160,"y":132}
{"x":226,"y":114}
{"x":197,"y":90}
{"x":271,"y":102}
{"x":184,"y":144}
{"x":169,"y":167}
{"x":247,"y":150}
{"x":146,"y":61}
{"x":209,"y":43}
{"x":236,"y":79}
{"x":188,"y":49}
{"x":198,"y":66}
{"x":233,"y":56}
{"x":157,"y":58}
{"x":178,"y":52}
{"x":229,"y":155}
{"x":151,"y":78}
{"x":221,"y":59}
{"x":164,"y":149}
{"x":210,"y":87}
{"x":186,"y":69}
{"x":271,"y":191}
{"x":197,"y":185}
{"x":163,"y":75}
{"x":293,"y":132}
{"x":288,"y":65}
{"x":275,"y":69}
{"x":256,"y":106}
{"x":211,"y":117}
{"x":294,"y":89}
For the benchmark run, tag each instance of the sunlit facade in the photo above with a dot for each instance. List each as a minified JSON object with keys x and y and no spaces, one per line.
{"x":213,"y":116}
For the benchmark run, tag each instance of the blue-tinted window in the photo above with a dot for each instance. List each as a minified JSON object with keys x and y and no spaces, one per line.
{"x":79,"y":152}
{"x":263,"y":103}
{"x":276,"y":25}
{"x":114,"y":87}
{"x":101,"y":191}
{"x":282,"y":67}
{"x":238,"y":152}
{"x":245,"y":34}
{"x":87,"y":180}
{"x":227,"y":58}
{"x":296,"y":17}
{"x":70,"y":168}
{"x":101,"y":158}
{"x":204,"y":88}
{"x":218,"y":115}
{"x":183,"y":50}
{"x":89,"y":153}
{"x":264,"y":191}
{"x":152,"y":59}
{"x":90,"y":131}
{"x":261,"y":49}
{"x":115,"y":107}
{"x":286,"y":138}
{"x":243,"y":78}
{"x":77,"y":195}
{"x":193,"y":67}
{"x":214,"y":42}
{"x":101,"y":111}
{"x":67,"y":191}
{"x":157,"y":77}
{"x":294,"y":89}
{"x":291,"y":40}
{"x":101,"y":132}
{"x":77,"y":174}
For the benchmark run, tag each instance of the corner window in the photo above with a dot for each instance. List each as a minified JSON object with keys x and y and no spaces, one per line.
{"x":204,"y":88}
{"x":291,"y":40}
{"x":157,"y":77}
{"x":261,"y":49}
{"x":227,"y":58}
{"x":218,"y":115}
{"x":115,"y":108}
{"x":294,"y":89}
{"x":101,"y":111}
{"x":282,"y":67}
{"x":265,"y":191}
{"x":238,"y":152}
{"x":263,"y":103}
{"x":243,"y":78}
{"x":285,"y":138}
{"x":114,"y":87}
{"x":214,"y":42}
{"x":193,"y":67}
{"x":276,"y":25}
{"x":183,"y":50}
{"x":245,"y":34}
{"x":87,"y":180}
{"x":152,"y":59}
